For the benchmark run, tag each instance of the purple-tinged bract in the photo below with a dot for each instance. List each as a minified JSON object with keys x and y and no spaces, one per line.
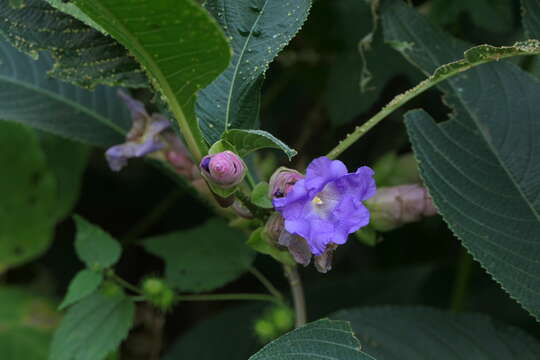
{"x":326,"y":206}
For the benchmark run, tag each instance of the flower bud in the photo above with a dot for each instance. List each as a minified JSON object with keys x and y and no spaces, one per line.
{"x":394,"y":206}
{"x":282,"y":181}
{"x":241,"y":210}
{"x":274,"y":227}
{"x":224,"y":169}
{"x":158,"y":293}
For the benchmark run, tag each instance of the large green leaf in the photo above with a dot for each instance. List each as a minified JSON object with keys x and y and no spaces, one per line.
{"x":247,"y":141}
{"x":258,"y":30}
{"x":323,"y":339}
{"x":26,"y":325}
{"x":28,"y":195}
{"x":29,"y":96}
{"x":180,"y":46}
{"x":203,"y":258}
{"x":94,"y":246}
{"x":412,"y":333}
{"x":83,"y":284}
{"x":82,"y":55}
{"x":93,"y":328}
{"x":531,"y":17}
{"x":482,"y":165}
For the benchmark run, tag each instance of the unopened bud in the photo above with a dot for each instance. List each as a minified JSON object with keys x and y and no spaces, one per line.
{"x":224,"y":169}
{"x":394,"y":206}
{"x":240,"y":209}
{"x":158,"y":293}
{"x":274,"y":227}
{"x":282,"y":182}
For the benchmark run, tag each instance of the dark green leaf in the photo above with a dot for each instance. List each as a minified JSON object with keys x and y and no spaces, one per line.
{"x":259,"y":196}
{"x":82,"y":55}
{"x":531,"y":17}
{"x":203,"y":258}
{"x":405,"y":333}
{"x":323,"y":339}
{"x":480,"y":166}
{"x":178,"y":43}
{"x":258,"y":30}
{"x":28,"y":196}
{"x":83,"y":284}
{"x":93,"y":328}
{"x":96,"y":248}
{"x":246,"y":141}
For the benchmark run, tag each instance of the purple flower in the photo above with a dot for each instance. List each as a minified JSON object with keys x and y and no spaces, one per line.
{"x":326,"y":206}
{"x":224,"y":169}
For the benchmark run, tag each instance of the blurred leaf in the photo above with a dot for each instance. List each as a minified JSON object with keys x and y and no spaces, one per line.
{"x":29,"y":96}
{"x":94,"y":246}
{"x":203,"y":258}
{"x":93,"y":328}
{"x":82,"y":55}
{"x":530,"y":10}
{"x":258,"y":31}
{"x":26,"y":325}
{"x":259,"y":196}
{"x":324,"y":339}
{"x":180,"y":45}
{"x":480,"y":170}
{"x":28,"y":193}
{"x":83,"y":284}
{"x":411,"y":333}
{"x":246,"y":141}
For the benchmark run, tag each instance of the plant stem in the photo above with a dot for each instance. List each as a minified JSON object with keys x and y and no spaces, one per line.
{"x":266,"y":283}
{"x":461,"y":283}
{"x":111,"y":274}
{"x":291,"y":272}
{"x":220,"y":297}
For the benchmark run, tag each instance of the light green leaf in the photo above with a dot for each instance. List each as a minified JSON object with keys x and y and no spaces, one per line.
{"x":258,"y":30}
{"x":323,"y":339}
{"x":203,"y":258}
{"x":26,"y":325}
{"x":29,"y":96}
{"x":96,"y":248}
{"x":82,"y":55}
{"x":531,"y":17}
{"x":83,"y":284}
{"x":259,"y":196}
{"x":246,"y":141}
{"x":412,"y":333}
{"x":28,"y":196}
{"x":93,"y":328}
{"x":177,"y":42}
{"x":480,"y":166}
{"x":258,"y":242}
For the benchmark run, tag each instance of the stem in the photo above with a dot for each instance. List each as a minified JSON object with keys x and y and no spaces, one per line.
{"x":259,"y":213}
{"x":250,"y":179}
{"x":124,"y":283}
{"x":266,"y":283}
{"x":292,"y":275}
{"x":220,"y":297}
{"x":461,"y":284}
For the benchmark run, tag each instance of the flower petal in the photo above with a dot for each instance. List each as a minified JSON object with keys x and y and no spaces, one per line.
{"x":321,"y":171}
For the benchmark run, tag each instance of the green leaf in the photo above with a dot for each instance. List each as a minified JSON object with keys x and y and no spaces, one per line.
{"x":180,"y":46}
{"x":28,"y":196}
{"x":96,"y":248}
{"x":323,"y":339}
{"x":82,"y":55}
{"x":93,"y":328}
{"x":259,"y":196}
{"x":258,"y":242}
{"x":530,"y":10}
{"x":258,"y":30}
{"x":247,"y":141}
{"x":73,"y":10}
{"x":83,"y":284}
{"x":411,"y":333}
{"x":29,"y":96}
{"x":480,"y":165}
{"x":203,"y":258}
{"x":26,"y":325}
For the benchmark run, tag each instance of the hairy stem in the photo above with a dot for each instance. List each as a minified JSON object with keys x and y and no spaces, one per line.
{"x":461,"y":283}
{"x":291,"y":272}
{"x":220,"y":297}
{"x":266,"y":283}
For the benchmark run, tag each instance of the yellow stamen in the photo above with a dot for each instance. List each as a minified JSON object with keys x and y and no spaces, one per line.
{"x":317,"y":200}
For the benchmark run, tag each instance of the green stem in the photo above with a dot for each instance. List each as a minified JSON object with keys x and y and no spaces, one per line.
{"x":461,"y":283}
{"x":112,"y":275}
{"x":266,"y":283}
{"x":221,"y":297}
{"x":259,"y":213}
{"x":291,"y":272}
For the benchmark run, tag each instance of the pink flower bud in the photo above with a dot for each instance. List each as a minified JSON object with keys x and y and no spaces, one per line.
{"x":282,"y":181}
{"x":224,"y":169}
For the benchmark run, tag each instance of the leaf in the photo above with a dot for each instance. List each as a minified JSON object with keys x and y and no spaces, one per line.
{"x":203,"y":258}
{"x":96,"y":248}
{"x":322,"y":339}
{"x":258,"y":30}
{"x":177,"y":42}
{"x":28,"y":196}
{"x":247,"y":141}
{"x":71,"y":9}
{"x":26,"y":325}
{"x":82,"y":55}
{"x":530,"y":10}
{"x":411,"y":333}
{"x":259,"y":196}
{"x":258,"y":242}
{"x":480,"y":165}
{"x":29,"y":96}
{"x":93,"y":328}
{"x":83,"y":284}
